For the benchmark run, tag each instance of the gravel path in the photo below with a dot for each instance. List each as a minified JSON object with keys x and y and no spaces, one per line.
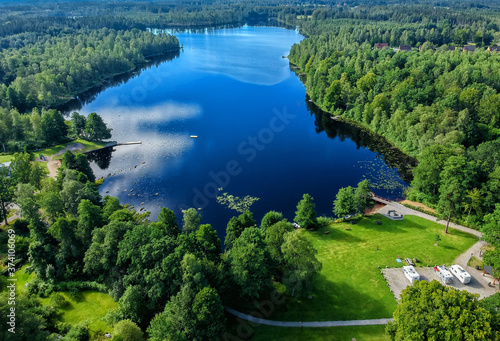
{"x":317,"y":324}
{"x":391,"y":205}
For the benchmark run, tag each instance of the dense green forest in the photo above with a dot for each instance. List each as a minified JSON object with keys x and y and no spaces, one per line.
{"x":438,"y":104}
{"x":168,"y":281}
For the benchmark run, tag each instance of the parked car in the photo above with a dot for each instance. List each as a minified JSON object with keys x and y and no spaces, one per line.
{"x":444,"y":274}
{"x":411,"y":273}
{"x":459,"y":272}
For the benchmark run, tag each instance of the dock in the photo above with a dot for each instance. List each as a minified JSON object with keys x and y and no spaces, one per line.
{"x":128,"y":143}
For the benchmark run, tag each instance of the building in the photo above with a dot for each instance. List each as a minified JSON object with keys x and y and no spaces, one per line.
{"x":469,"y":48}
{"x":494,"y":48}
{"x":380,"y":46}
{"x":452,"y":48}
{"x":404,"y":48}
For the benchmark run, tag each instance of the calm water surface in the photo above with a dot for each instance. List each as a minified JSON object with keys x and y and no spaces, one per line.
{"x":256,"y":135}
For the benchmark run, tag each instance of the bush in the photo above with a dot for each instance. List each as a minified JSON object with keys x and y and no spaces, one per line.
{"x":63,"y":327}
{"x":127,"y":330}
{"x":57,"y":300}
{"x":40,"y":288}
{"x":75,"y":287}
{"x":324,"y":221}
{"x":21,"y":226}
{"x":77,"y":333}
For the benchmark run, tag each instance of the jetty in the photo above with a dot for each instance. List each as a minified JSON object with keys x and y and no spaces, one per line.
{"x":128,"y":143}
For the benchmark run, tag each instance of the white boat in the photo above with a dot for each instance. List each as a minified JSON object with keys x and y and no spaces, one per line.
{"x":444,"y":274}
{"x":411,"y":273}
{"x":459,"y":272}
{"x":194,"y":136}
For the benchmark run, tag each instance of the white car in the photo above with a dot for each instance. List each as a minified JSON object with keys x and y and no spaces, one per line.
{"x":459,"y":272}
{"x":411,"y":273}
{"x":444,"y":274}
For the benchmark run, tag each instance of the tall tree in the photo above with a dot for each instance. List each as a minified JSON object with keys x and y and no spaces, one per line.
{"x":96,"y":129}
{"x":21,"y":168}
{"x":6,"y":191}
{"x":250,"y":266}
{"x":301,"y":264}
{"x":236,"y":226}
{"x":270,"y":218}
{"x":455,"y":179}
{"x":430,"y":311}
{"x":167,"y":218}
{"x":363,"y":196}
{"x":79,"y":122}
{"x":54,"y":128}
{"x":274,"y":237}
{"x":190,"y":221}
{"x":305,"y":215}
{"x":344,"y":203}
{"x":190,"y":315}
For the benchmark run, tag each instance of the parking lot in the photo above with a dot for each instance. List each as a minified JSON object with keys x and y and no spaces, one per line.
{"x":478,"y":284}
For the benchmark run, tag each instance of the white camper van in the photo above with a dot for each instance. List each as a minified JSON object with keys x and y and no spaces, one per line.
{"x":459,"y":272}
{"x":444,"y":274}
{"x":411,"y":273}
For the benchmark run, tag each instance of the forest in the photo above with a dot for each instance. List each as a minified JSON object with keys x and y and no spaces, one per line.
{"x":170,"y":275}
{"x":435,"y":103}
{"x":166,"y":280}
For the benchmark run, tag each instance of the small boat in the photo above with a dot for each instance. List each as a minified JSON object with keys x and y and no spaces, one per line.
{"x":194,"y":136}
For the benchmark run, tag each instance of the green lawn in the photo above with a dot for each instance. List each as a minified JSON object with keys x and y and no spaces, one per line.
{"x":361,"y":333}
{"x":350,"y":285}
{"x":86,"y":305}
{"x":5,"y":158}
{"x":22,"y":279}
{"x":89,"y":145}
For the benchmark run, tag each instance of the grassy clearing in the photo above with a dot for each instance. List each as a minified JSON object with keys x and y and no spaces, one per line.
{"x":89,"y":306}
{"x":360,"y":333}
{"x":350,"y":285}
{"x":89,"y":145}
{"x":473,"y":261}
{"x":22,"y":279}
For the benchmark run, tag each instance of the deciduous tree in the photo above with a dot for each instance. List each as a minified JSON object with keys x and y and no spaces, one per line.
{"x":430,"y":311}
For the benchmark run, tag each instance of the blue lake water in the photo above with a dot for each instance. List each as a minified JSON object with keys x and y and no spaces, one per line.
{"x":256,"y":133}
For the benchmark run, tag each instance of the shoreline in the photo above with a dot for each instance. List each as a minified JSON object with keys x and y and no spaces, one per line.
{"x":59,"y":104}
{"x":298,"y":71}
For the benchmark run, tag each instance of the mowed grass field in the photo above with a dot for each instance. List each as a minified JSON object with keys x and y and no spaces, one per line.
{"x":89,"y":306}
{"x":350,"y":285}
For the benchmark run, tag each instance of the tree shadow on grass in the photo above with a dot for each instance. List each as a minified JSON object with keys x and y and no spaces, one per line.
{"x":336,"y":234}
{"x":335,"y":302}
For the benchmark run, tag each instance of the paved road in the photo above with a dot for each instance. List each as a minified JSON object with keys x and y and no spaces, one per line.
{"x":401,"y":209}
{"x":318,"y":324}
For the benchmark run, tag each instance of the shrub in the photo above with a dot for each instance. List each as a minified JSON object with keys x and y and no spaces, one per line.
{"x":58,"y":301}
{"x":324,"y":221}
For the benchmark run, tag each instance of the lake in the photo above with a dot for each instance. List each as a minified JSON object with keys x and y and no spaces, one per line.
{"x":257,"y":133}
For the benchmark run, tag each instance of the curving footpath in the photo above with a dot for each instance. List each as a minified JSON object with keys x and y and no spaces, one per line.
{"x":317,"y":324}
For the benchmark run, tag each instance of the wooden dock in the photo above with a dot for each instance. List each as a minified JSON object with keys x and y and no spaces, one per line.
{"x":380,"y":199}
{"x":128,"y":143}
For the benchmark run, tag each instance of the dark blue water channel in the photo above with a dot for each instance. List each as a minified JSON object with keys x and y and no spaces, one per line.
{"x":257,"y":132}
